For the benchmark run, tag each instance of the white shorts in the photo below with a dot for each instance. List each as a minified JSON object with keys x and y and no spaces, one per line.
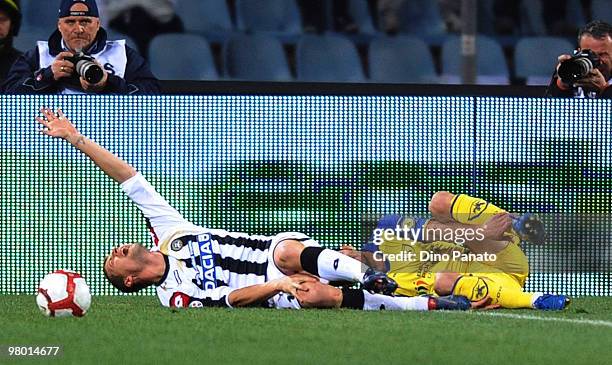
{"x":284,"y":300}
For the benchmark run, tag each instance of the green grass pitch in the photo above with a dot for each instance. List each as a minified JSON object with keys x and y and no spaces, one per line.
{"x":136,"y":330}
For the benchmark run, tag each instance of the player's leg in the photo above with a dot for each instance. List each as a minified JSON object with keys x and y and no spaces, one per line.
{"x":462,"y":208}
{"x":318,"y":295}
{"x":503,"y":290}
{"x":292,"y":256}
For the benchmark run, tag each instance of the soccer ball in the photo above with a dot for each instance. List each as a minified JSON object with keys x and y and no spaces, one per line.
{"x":63,"y":293}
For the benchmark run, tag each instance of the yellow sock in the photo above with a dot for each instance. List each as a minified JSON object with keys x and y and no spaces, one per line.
{"x":468,"y":210}
{"x":477,"y":287}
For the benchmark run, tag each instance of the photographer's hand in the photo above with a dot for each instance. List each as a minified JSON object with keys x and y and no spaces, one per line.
{"x":593,"y":81}
{"x":62,"y":67}
{"x":95,"y":87}
{"x":562,"y":85}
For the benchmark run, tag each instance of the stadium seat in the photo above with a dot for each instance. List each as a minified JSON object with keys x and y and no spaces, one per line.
{"x":491,"y":64}
{"x":535,"y":58}
{"x":210,"y":18}
{"x":602,"y":10}
{"x":40,"y":15}
{"x":278,"y":17}
{"x":171,"y":59}
{"x":422,"y":18}
{"x":328,"y":58}
{"x":360,"y":12}
{"x":255,"y":57}
{"x":402,"y":59}
{"x":532,"y":23}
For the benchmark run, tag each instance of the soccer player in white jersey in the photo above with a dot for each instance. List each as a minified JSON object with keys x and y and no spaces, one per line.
{"x":192,"y":266}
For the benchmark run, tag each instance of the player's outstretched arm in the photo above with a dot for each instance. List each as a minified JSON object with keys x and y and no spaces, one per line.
{"x":58,"y":126}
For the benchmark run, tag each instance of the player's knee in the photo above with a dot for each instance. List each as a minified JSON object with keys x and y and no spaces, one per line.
{"x":440,"y":203}
{"x":318,"y":295}
{"x":287,"y":256}
{"x":445,"y":281}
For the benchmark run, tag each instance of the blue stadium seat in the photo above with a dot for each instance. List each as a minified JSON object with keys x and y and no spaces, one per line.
{"x":328,"y":58}
{"x":210,"y":18}
{"x":39,"y":14}
{"x":360,"y":11}
{"x":535,"y":58}
{"x":182,"y":57}
{"x":602,"y":10}
{"x":532,"y":23}
{"x":255,"y":57}
{"x":278,"y":17}
{"x":402,"y":59}
{"x":422,"y":18}
{"x":491,"y":63}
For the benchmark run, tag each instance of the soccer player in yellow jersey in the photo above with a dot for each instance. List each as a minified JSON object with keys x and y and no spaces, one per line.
{"x":470,"y":248}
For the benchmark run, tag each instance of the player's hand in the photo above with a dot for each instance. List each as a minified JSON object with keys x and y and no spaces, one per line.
{"x":485,"y":304}
{"x":595,"y":80}
{"x":291,"y":284}
{"x":497,"y":227}
{"x":57,"y":125}
{"x":62,"y":67}
{"x":95,"y":87}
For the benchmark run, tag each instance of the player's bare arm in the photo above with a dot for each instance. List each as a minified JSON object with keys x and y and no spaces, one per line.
{"x":259,"y":293}
{"x":58,"y":126}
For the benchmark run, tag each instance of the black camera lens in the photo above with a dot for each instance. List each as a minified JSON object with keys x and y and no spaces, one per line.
{"x":573,"y":70}
{"x":578,"y":67}
{"x":90,"y":71}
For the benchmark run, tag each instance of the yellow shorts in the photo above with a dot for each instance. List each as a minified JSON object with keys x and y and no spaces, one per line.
{"x":509,"y":270}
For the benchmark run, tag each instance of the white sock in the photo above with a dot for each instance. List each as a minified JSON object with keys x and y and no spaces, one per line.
{"x":535,"y":297}
{"x":379,"y":301}
{"x":334,"y":266}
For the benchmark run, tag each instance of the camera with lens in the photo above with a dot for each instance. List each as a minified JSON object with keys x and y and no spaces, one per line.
{"x":86,"y":67}
{"x":578,"y":67}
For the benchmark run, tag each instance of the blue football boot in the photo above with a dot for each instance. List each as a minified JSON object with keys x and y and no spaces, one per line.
{"x":550,"y":302}
{"x":378,"y":282}
{"x":450,"y":303}
{"x":530,"y":228}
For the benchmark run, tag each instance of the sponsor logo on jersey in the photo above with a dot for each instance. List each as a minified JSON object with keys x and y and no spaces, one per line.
{"x":203,"y":248}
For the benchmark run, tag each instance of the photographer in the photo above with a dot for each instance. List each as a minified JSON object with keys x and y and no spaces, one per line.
{"x":588,"y":73}
{"x":78,"y":59}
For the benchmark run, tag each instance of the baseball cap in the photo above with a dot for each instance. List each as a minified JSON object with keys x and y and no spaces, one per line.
{"x":65,"y":5}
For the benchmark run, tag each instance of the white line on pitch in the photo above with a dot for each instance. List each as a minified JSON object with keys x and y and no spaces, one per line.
{"x":549,"y":319}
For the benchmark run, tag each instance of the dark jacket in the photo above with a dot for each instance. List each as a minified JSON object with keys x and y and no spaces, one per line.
{"x":8,"y":56}
{"x":26,"y":77}
{"x":555,"y":91}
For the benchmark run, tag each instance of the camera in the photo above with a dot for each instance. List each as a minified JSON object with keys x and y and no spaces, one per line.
{"x":577,"y":67}
{"x":86,"y":67}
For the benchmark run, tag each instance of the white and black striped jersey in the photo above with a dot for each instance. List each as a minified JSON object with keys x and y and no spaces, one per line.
{"x":203,"y":266}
